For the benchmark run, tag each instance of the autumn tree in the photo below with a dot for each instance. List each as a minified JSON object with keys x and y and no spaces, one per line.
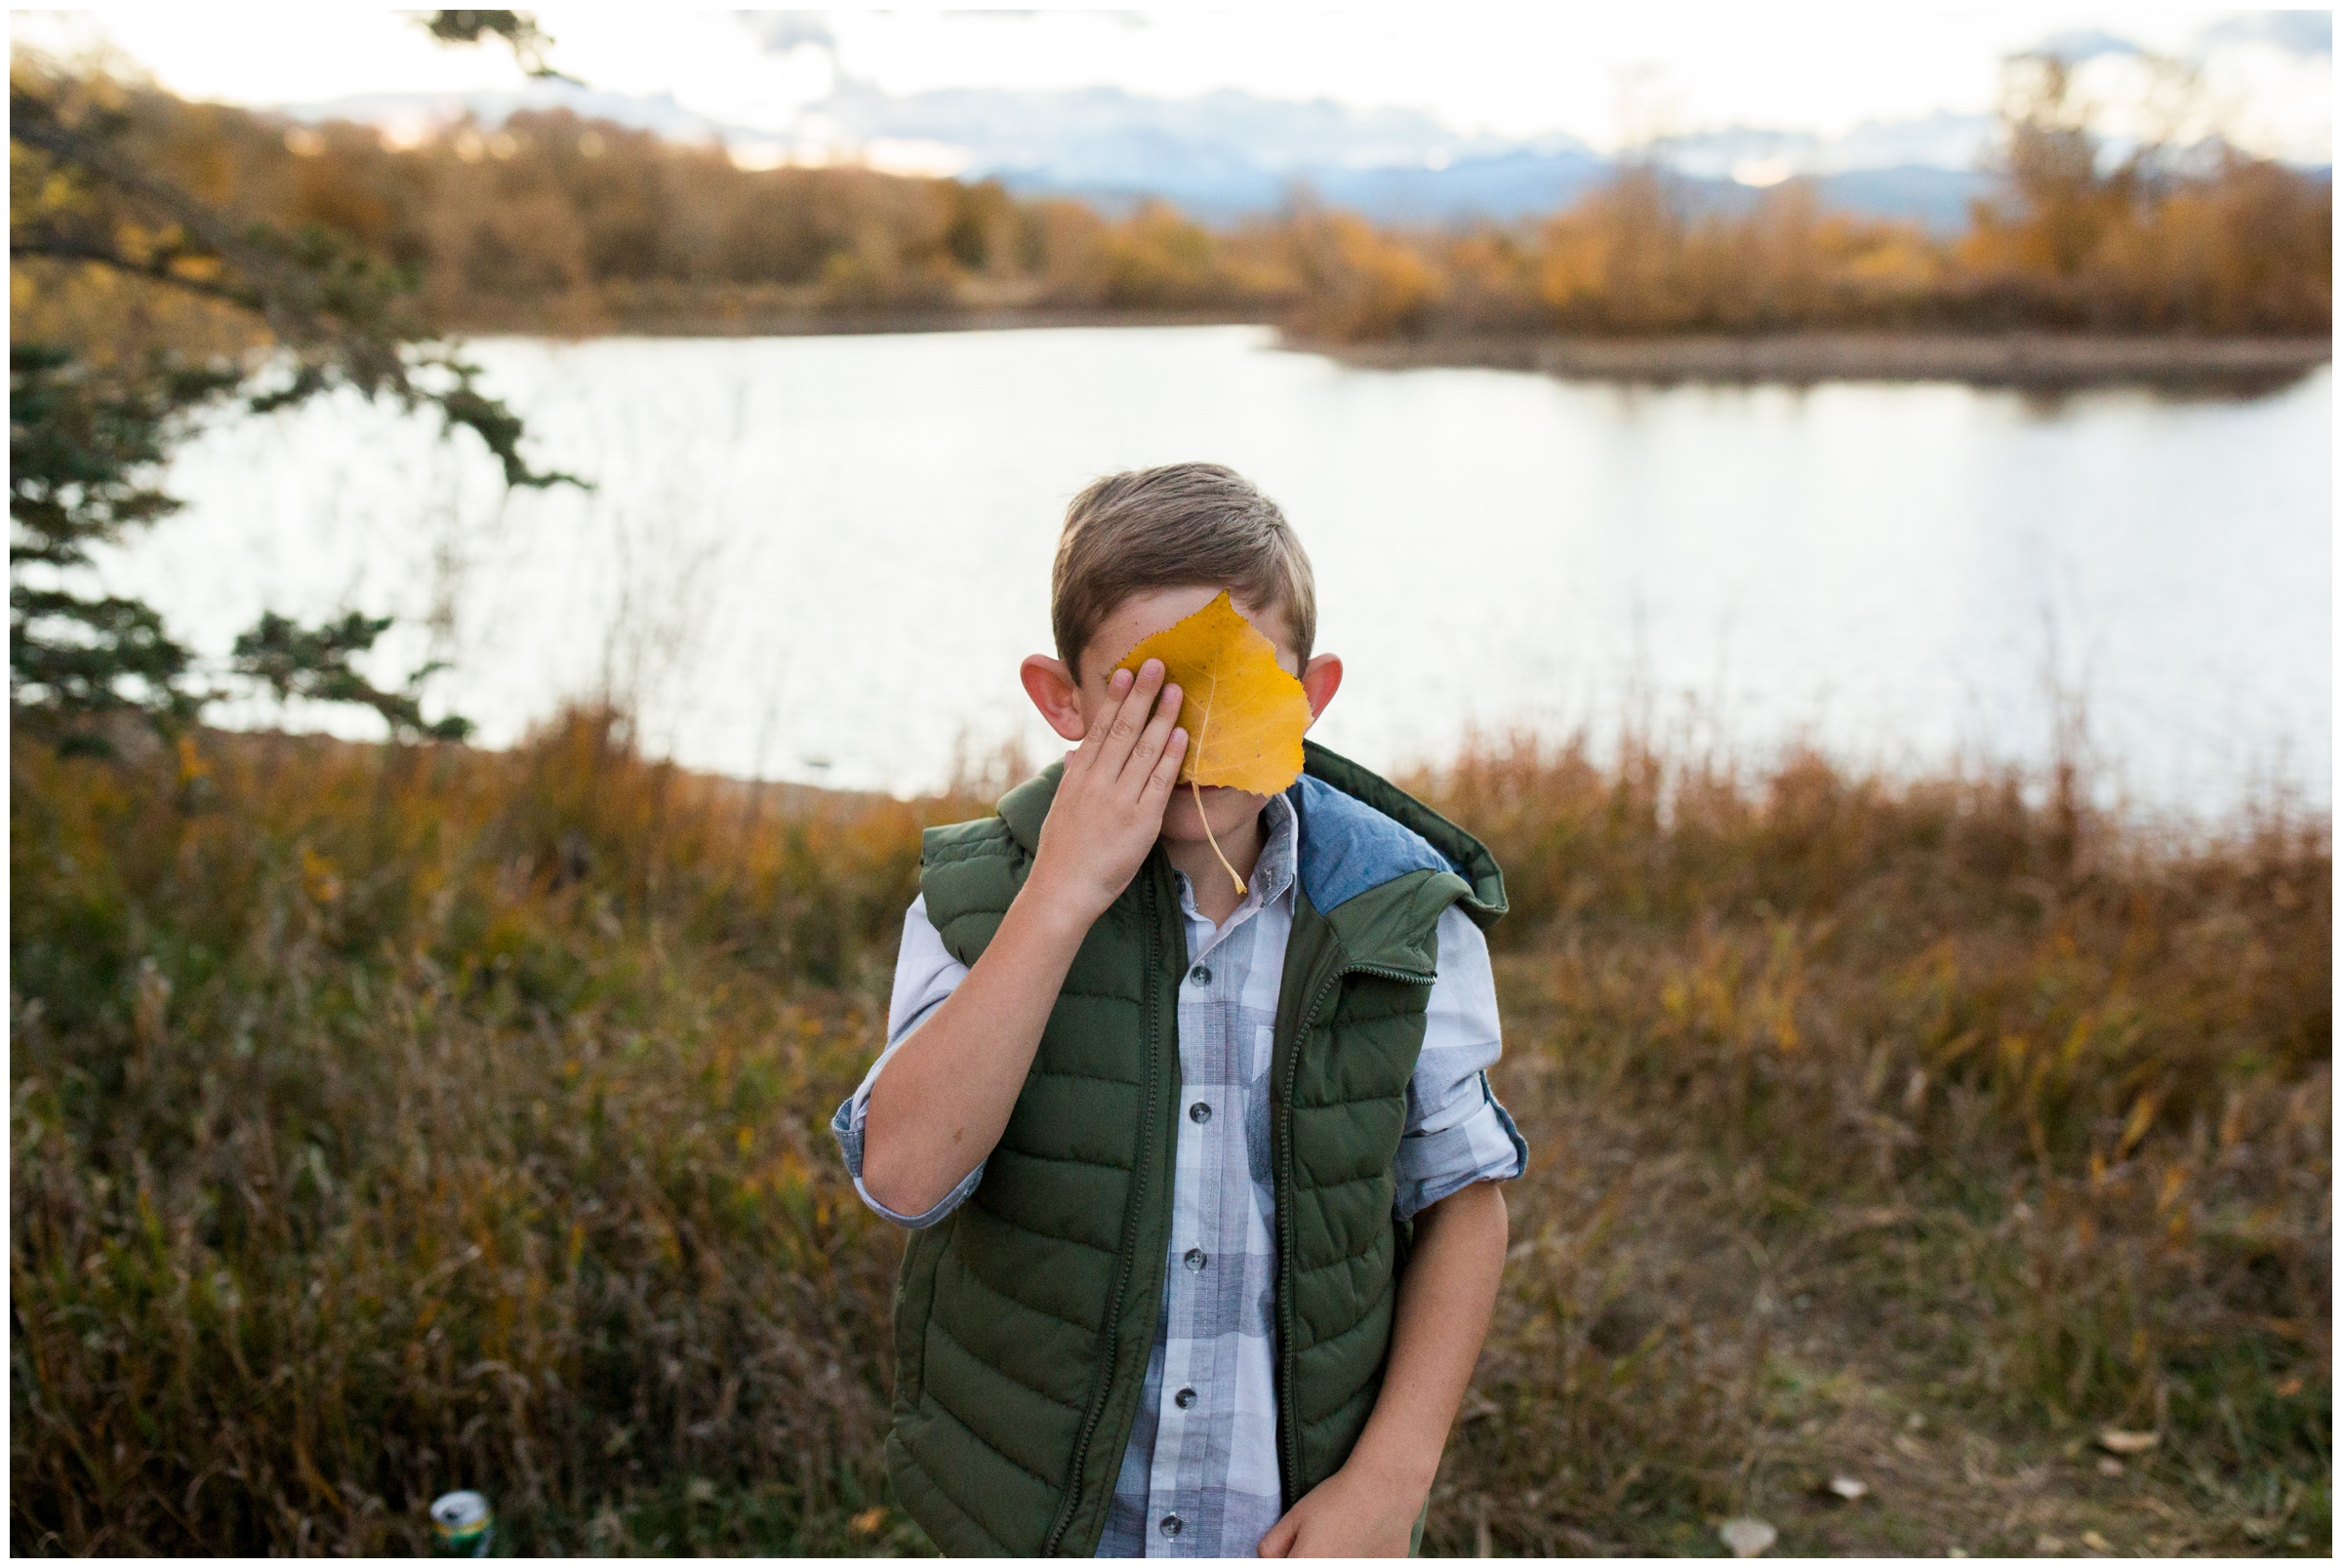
{"x":2178,"y":228}
{"x":254,"y":317}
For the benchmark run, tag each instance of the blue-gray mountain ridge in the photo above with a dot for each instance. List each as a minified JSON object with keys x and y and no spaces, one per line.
{"x":1228,"y":155}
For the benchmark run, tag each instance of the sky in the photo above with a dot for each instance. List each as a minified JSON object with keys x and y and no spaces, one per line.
{"x":1597,"y":74}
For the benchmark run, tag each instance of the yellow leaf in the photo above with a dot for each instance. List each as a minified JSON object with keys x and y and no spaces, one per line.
{"x":1244,"y":715}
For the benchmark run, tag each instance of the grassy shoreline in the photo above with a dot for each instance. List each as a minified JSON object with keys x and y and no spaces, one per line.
{"x":694,"y":321}
{"x":2030,"y":358}
{"x":389,"y":1120}
{"x":2020,"y":359}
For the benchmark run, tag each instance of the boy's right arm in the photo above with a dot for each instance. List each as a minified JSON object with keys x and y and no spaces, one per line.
{"x":947,"y":1092}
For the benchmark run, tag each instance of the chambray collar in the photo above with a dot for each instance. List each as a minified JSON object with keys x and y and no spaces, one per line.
{"x":1272,"y":875}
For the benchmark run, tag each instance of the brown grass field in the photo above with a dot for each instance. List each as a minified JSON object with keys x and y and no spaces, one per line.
{"x":385,"y":1121}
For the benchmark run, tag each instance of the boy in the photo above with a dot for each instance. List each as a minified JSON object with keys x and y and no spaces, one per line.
{"x":1207,"y":1239}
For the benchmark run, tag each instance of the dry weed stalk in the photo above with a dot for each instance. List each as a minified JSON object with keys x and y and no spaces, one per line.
{"x":386,"y":1120}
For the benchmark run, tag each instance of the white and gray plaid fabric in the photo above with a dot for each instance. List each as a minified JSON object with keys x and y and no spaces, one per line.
{"x":1200,"y":1477}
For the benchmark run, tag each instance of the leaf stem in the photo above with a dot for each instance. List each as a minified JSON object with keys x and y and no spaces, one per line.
{"x":1195,"y":786}
{"x":1213,"y":841}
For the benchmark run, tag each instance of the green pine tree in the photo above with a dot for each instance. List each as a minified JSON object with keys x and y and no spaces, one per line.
{"x":89,"y":432}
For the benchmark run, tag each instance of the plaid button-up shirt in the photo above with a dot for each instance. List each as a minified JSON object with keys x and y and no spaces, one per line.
{"x":1200,"y":1477}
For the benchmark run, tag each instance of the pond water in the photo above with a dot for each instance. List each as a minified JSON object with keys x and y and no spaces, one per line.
{"x":820,"y":558}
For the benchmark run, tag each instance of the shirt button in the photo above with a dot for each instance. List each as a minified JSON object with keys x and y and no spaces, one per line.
{"x":1199,"y":1113}
{"x":1195,"y":1259}
{"x":1184,"y":1398}
{"x":1170,"y":1524}
{"x":1201,"y":975}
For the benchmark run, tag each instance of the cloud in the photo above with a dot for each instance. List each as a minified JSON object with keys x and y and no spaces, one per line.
{"x":1120,"y":19}
{"x":781,"y":31}
{"x":2307,"y":34}
{"x":2086,"y":43}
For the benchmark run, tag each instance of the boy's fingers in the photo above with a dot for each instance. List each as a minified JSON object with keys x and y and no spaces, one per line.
{"x":1129,"y":718}
{"x":1093,"y":739}
{"x":1166,"y":769}
{"x":1151,"y":740}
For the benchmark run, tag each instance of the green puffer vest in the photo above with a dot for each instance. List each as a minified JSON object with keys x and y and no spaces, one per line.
{"x":1025,"y":1319}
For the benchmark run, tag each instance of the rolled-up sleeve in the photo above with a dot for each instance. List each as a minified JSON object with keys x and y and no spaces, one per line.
{"x":925,"y":973}
{"x":1456,"y":1132}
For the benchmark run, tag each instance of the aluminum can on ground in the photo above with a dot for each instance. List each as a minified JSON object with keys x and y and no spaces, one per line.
{"x":462,"y":1525}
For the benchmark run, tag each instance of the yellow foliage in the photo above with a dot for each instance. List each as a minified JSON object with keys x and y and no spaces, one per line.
{"x":1356,"y":283}
{"x":562,"y":224}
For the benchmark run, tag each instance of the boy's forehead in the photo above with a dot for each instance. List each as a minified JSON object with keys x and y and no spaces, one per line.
{"x":1151,"y":610}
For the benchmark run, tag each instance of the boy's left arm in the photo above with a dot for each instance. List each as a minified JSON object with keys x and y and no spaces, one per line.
{"x":1367,"y":1509}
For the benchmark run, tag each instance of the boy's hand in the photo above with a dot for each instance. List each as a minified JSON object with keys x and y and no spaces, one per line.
{"x":1367,"y":1508}
{"x":1351,"y":1513}
{"x":1109,"y":809}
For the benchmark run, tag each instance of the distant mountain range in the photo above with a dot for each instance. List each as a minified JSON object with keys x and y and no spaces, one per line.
{"x":1229,"y":153}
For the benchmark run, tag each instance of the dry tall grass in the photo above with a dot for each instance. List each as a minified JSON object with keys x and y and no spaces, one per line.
{"x":389,"y":1120}
{"x":1987,"y":1100}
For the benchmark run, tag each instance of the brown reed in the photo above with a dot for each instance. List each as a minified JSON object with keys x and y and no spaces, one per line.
{"x":2032,"y":1111}
{"x":386,"y":1120}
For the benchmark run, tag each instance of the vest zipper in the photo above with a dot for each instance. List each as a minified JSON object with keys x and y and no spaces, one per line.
{"x":1289,"y":1426}
{"x":1109,"y":1330}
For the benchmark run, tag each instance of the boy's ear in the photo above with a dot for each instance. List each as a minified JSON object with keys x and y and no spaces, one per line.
{"x":1320,"y":678}
{"x":1050,"y":685}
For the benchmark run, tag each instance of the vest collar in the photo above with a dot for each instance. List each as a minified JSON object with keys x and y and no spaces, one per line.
{"x":1027,"y":806}
{"x":1358,"y":832}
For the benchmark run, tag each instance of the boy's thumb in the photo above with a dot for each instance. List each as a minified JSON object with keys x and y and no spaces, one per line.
{"x":1278,"y":1542}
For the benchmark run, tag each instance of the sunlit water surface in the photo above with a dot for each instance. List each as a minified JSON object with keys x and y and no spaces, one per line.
{"x":820,"y":558}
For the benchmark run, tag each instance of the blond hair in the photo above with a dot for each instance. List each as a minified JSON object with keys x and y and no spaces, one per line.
{"x":1182,"y":525}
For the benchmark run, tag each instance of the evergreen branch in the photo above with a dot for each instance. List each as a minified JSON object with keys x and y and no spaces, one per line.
{"x":56,"y":247}
{"x":288,"y":299}
{"x":519,"y":30}
{"x":314,"y":662}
